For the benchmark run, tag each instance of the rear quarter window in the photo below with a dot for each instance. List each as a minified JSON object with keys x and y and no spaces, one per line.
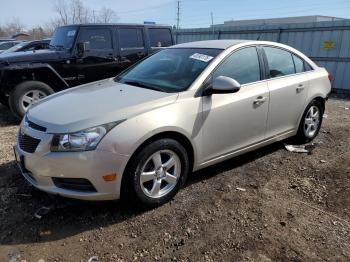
{"x":160,"y":37}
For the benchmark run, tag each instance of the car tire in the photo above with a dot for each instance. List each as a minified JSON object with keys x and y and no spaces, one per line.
{"x":150,"y":184}
{"x":21,"y":94}
{"x":310,"y":123}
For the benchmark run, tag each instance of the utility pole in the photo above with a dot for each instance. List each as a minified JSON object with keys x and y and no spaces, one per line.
{"x":212,"y":21}
{"x":178,"y":15}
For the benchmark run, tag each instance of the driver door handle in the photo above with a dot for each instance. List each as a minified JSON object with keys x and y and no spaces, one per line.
{"x":300,"y":88}
{"x":259,"y":100}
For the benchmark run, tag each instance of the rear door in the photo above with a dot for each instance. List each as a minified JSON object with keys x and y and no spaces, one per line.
{"x":131,"y":42}
{"x":101,"y":60}
{"x":288,"y":86}
{"x":159,"y":38}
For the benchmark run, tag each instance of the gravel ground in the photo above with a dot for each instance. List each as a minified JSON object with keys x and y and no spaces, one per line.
{"x":266,"y":205}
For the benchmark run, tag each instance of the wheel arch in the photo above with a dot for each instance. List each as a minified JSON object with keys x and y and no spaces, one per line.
{"x":42,"y":73}
{"x":318,"y":98}
{"x":179,"y":137}
{"x":321,"y":100}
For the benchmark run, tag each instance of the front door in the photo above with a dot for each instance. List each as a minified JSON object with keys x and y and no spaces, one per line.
{"x":234,"y":121}
{"x":100,"y":61}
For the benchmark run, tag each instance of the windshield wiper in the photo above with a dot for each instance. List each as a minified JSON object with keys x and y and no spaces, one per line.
{"x":142,"y":85}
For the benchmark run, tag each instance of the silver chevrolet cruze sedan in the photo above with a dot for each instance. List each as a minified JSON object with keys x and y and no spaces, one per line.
{"x":138,"y":136}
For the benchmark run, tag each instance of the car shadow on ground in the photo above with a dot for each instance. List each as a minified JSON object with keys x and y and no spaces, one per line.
{"x":68,"y":217}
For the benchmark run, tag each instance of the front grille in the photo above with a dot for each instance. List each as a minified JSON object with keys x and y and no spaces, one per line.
{"x":27,"y":143}
{"x":75,"y":184}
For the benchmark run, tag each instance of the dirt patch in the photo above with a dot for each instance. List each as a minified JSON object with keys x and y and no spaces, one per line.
{"x":288,"y":206}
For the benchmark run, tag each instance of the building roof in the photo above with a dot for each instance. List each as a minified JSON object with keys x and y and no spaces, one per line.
{"x":118,"y":24}
{"x":217,"y":44}
{"x":281,"y":20}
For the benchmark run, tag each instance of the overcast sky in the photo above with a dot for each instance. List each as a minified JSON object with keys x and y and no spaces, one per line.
{"x":194,"y":13}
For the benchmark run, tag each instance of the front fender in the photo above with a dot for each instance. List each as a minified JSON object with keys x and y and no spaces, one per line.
{"x":13,"y":74}
{"x":182,"y":117}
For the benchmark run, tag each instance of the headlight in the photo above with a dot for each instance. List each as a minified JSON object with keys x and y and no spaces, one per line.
{"x":85,"y":140}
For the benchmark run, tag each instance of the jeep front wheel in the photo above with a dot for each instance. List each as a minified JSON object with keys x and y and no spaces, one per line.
{"x":25,"y":94}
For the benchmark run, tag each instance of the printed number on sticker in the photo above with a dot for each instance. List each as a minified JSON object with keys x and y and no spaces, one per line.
{"x":201,"y":57}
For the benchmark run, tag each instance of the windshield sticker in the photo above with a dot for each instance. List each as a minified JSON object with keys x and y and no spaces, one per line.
{"x":201,"y":57}
{"x":71,"y":33}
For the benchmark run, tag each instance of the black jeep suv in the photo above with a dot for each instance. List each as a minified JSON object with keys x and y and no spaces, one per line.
{"x":78,"y":54}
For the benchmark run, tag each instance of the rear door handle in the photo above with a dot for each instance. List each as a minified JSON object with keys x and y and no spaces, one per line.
{"x":259,"y":100}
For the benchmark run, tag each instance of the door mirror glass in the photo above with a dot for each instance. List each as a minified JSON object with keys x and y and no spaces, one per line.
{"x":83,"y":48}
{"x":223,"y":85}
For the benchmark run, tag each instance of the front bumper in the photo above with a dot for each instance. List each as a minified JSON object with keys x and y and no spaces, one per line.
{"x":40,"y":167}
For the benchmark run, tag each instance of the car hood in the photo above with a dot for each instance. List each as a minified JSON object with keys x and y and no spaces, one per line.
{"x":94,"y":104}
{"x":31,"y":56}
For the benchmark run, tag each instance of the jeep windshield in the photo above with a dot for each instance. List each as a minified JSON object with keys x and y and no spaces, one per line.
{"x":63,"y":37}
{"x":170,"y":70}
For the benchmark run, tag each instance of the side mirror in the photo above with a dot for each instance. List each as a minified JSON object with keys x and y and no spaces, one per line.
{"x":222,"y":85}
{"x":83,"y":48}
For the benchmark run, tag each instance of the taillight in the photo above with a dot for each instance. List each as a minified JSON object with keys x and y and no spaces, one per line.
{"x":330,"y":77}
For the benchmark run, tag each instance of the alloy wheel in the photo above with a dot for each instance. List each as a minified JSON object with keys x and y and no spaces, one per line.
{"x":312,"y":121}
{"x":160,"y":173}
{"x":30,"y":98}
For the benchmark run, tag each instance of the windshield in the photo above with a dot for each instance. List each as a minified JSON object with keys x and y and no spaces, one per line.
{"x":63,"y":37}
{"x":170,"y":70}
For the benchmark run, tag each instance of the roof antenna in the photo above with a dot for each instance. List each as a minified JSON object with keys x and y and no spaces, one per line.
{"x":259,"y":37}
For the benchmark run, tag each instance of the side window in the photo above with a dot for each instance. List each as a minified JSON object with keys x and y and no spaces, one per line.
{"x":130,"y":38}
{"x":160,"y":37}
{"x":99,"y":38}
{"x":299,"y":64}
{"x":280,"y":62}
{"x":242,"y":65}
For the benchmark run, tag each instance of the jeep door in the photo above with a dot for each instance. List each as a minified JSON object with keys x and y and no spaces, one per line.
{"x":132,"y":48}
{"x":100,"y":60}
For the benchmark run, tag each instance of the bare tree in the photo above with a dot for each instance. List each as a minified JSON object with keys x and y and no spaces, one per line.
{"x":71,"y":12}
{"x":2,"y":32}
{"x":75,"y":12}
{"x":107,"y":15}
{"x":68,"y":12}
{"x":61,"y":8}
{"x":38,"y":33}
{"x":13,"y":27}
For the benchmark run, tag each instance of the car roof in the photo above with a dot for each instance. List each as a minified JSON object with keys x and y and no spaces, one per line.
{"x":217,"y":44}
